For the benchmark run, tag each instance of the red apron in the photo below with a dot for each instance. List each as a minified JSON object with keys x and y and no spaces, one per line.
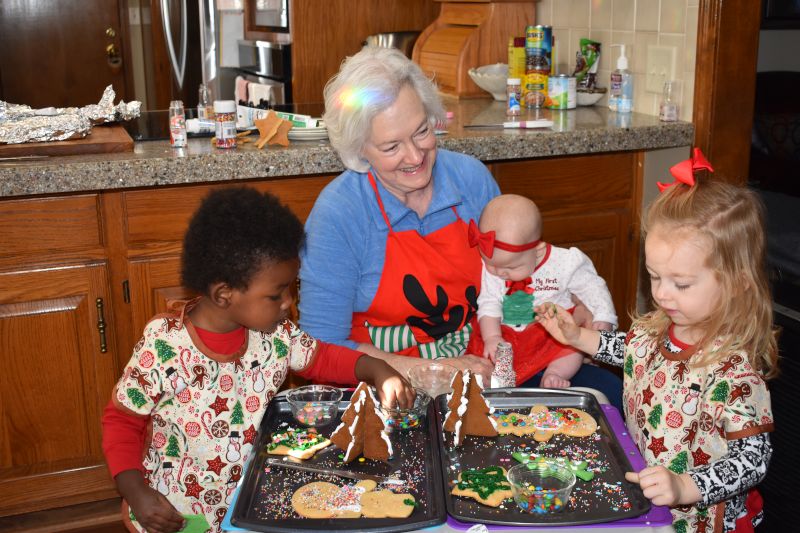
{"x":427,"y":295}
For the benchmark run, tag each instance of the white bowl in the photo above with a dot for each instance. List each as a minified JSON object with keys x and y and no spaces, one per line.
{"x":585,"y":98}
{"x":491,"y":78}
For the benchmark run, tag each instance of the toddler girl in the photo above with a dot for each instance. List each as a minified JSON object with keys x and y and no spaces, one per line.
{"x":192,"y":396}
{"x":694,"y":368}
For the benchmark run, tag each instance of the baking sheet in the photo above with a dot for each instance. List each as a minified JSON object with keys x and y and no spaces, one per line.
{"x":607,"y":497}
{"x":264,"y":499}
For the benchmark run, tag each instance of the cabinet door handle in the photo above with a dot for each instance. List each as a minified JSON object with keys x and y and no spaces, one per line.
{"x":101,"y":325}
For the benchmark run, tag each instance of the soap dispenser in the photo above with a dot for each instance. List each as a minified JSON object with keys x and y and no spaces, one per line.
{"x":620,"y":96}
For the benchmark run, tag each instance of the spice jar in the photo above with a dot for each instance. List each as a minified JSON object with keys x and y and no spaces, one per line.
{"x":225,"y":118}
{"x":513,"y":92}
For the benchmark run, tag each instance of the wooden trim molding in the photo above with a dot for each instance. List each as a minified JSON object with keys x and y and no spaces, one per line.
{"x":724,"y":90}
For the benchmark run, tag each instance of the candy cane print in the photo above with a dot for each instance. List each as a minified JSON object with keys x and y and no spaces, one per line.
{"x":186,"y":354}
{"x":180,"y":469}
{"x":197,"y":508}
{"x":205,"y":425}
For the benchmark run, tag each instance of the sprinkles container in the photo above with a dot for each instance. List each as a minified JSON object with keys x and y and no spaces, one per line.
{"x":314,"y":405}
{"x":541,"y":488}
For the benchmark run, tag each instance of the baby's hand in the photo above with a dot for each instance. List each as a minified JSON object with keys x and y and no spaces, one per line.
{"x":558,"y":323}
{"x":663,"y":487}
{"x":602,"y":326}
{"x":554,"y":381}
{"x":490,"y":347}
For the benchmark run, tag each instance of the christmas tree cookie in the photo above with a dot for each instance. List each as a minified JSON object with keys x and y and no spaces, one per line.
{"x":362,"y":428}
{"x":468,"y":412}
{"x":299,"y":443}
{"x":488,"y":486}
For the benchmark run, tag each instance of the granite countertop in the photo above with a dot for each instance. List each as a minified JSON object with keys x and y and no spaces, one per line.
{"x":586,"y":130}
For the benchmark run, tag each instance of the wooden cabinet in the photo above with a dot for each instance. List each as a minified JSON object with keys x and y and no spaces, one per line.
{"x":62,"y":255}
{"x":56,"y":379}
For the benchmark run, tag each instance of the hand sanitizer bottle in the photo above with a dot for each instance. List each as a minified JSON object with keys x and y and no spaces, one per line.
{"x":620,"y":96}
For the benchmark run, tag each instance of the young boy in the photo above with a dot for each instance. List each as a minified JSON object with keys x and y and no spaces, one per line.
{"x":520,"y":271}
{"x":201,"y":377}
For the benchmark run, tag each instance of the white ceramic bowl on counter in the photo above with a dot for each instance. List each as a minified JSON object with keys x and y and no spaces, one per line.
{"x":491,"y":78}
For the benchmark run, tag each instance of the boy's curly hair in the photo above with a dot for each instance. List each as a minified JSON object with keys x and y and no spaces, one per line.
{"x":232,"y":234}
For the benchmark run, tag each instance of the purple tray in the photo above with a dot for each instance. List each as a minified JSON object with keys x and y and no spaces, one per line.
{"x":657,"y":516}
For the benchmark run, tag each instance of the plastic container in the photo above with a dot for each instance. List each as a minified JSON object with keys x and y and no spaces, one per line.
{"x":541,"y":487}
{"x":620,"y":96}
{"x":433,"y":377}
{"x":177,"y":124}
{"x":225,"y":117}
{"x":314,"y":405}
{"x":401,"y":419}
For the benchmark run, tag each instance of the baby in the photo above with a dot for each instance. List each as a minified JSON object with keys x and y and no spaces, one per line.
{"x":520,"y":269}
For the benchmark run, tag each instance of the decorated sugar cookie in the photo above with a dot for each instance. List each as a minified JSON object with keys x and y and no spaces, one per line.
{"x":326,"y":500}
{"x":299,"y":443}
{"x":566,"y":420}
{"x":514,"y":424}
{"x":488,"y":486}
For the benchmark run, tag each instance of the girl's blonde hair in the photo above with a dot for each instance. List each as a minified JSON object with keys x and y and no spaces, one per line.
{"x":731,"y":219}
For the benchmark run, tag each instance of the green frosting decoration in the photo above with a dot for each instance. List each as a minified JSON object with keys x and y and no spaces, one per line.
{"x":484,"y":481}
{"x":300,"y":439}
{"x":518,"y":308}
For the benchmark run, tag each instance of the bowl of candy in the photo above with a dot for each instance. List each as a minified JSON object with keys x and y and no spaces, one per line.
{"x":541,"y":487}
{"x":402,"y":419}
{"x":432,"y":377}
{"x":314,"y":405}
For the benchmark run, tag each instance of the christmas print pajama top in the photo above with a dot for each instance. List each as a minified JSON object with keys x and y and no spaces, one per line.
{"x":710,"y":422}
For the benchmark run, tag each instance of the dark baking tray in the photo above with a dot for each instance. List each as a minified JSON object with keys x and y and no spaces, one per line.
{"x":601,"y":500}
{"x":264,"y":501}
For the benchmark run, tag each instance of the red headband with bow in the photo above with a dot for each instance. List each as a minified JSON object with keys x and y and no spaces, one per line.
{"x":486,"y":242}
{"x":684,"y":171}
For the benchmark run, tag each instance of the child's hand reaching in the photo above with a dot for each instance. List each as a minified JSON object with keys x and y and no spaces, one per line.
{"x":663,"y":487}
{"x":151,"y":508}
{"x":490,"y":347}
{"x":558,"y":323}
{"x":393,"y":390}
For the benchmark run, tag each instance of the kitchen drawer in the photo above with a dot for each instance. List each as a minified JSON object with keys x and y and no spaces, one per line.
{"x":571,"y":184}
{"x":34,"y":228}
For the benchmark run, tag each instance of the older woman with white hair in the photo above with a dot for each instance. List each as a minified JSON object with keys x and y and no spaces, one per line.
{"x":387,"y":267}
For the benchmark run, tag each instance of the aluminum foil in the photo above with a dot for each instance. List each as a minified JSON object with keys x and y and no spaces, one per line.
{"x":21,"y":123}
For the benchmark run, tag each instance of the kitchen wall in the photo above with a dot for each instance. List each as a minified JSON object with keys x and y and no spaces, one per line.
{"x":635,"y":23}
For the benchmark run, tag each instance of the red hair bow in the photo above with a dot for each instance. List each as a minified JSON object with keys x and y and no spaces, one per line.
{"x":486,"y":242}
{"x":684,"y":171}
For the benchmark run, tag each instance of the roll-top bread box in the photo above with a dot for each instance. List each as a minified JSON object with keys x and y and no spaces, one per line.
{"x":467,"y":34}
